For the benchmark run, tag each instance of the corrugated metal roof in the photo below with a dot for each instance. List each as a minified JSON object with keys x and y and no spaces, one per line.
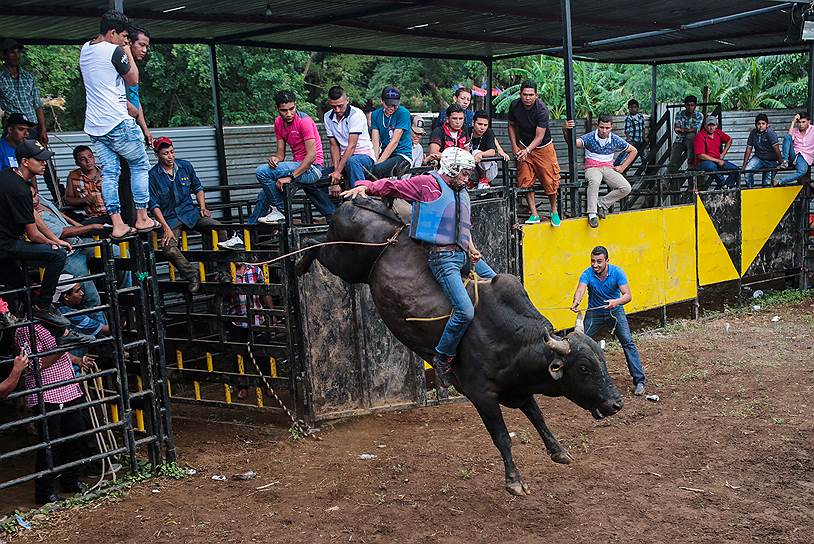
{"x":436,"y":28}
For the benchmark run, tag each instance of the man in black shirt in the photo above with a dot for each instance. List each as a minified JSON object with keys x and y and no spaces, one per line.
{"x":17,"y":218}
{"x":484,"y":145}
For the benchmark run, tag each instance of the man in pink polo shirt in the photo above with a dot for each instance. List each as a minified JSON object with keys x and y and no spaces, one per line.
{"x":801,"y":156}
{"x":299,"y":132}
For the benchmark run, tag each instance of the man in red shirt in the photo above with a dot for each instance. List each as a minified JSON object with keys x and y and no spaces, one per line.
{"x":711,"y":146}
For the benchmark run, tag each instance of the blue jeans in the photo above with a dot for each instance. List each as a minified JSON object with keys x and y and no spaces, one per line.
{"x":270,"y":195}
{"x":34,"y":254}
{"x":596,"y":320}
{"x":125,"y":140}
{"x":731,"y":180}
{"x":756,"y":163}
{"x":385,"y":168}
{"x":354,"y":169}
{"x":797,"y":159}
{"x":446,"y":267}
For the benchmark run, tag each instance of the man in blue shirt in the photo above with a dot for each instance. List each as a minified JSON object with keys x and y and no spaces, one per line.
{"x":17,"y":128}
{"x":390,"y":132}
{"x":608,"y":292}
{"x":173,"y":182}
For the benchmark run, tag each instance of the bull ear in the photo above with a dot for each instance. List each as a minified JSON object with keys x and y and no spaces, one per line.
{"x":556,"y":368}
{"x":580,"y":327}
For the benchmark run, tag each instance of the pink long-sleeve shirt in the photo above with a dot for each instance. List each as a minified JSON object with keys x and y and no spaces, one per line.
{"x":804,"y":143}
{"x":421,"y":188}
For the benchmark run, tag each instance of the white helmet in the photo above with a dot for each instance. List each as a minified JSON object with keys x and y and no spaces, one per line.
{"x":455,"y":159}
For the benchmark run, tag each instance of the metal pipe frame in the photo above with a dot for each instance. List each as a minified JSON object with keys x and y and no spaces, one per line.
{"x":570,"y":108}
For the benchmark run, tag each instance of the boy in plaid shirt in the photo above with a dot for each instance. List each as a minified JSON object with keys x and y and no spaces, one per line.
{"x":634,"y":131}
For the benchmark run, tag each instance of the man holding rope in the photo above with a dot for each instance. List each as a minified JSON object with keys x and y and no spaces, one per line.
{"x":441,"y":222}
{"x":608,"y":292}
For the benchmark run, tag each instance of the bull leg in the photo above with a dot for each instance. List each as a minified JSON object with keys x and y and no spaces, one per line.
{"x":493,"y":420}
{"x":555,"y":450}
{"x":303,"y":264}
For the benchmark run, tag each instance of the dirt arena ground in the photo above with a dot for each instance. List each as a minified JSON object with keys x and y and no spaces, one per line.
{"x":725,"y":456}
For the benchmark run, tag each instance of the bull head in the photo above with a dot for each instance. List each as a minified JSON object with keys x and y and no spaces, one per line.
{"x":556,"y":344}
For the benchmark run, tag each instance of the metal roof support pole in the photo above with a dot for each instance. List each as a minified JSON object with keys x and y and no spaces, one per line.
{"x":490,"y":84}
{"x":220,"y":143}
{"x":654,"y":106}
{"x":570,"y":113}
{"x":118,"y":5}
{"x":810,"y":102}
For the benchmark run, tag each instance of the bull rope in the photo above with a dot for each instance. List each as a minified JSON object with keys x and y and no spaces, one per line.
{"x":473,"y":277}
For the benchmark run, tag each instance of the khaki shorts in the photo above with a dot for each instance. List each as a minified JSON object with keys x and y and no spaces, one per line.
{"x":541,"y":164}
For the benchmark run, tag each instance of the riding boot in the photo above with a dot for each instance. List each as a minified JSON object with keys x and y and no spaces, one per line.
{"x":442,"y":364}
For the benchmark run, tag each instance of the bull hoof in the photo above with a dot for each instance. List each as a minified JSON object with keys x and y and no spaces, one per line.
{"x":518,"y":489}
{"x":562,"y":457}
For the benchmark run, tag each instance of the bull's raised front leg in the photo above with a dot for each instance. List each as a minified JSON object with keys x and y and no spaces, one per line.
{"x":492,"y":417}
{"x":555,"y":450}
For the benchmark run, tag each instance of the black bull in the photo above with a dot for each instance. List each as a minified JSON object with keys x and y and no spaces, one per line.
{"x":508,"y":353}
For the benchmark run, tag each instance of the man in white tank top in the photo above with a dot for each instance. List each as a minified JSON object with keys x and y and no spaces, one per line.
{"x":107,"y":66}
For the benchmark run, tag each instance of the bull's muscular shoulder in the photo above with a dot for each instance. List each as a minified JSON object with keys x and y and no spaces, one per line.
{"x":511,"y":296}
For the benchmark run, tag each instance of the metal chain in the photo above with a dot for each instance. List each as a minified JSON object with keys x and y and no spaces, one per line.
{"x":301,"y":426}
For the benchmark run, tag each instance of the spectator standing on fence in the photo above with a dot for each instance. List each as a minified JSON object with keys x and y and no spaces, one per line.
{"x":533,"y":150}
{"x":18,"y":90}
{"x":798,"y":148}
{"x":416,"y":135}
{"x":600,"y":145}
{"x":349,"y":137}
{"x":173,"y":182}
{"x":139,"y":46}
{"x":686,"y":126}
{"x":608,"y":292}
{"x":463,"y":97}
{"x":484,"y":145}
{"x":107,"y":67}
{"x":390,"y":132}
{"x":634,"y":131}
{"x":53,"y":369}
{"x":711,"y":147}
{"x":300,"y":133}
{"x":16,"y":219}
{"x":17,"y":130}
{"x":450,"y":134}
{"x":84,"y":186}
{"x":763,"y":140}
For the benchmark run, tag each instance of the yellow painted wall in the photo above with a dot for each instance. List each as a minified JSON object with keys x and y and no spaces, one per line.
{"x":655,"y":248}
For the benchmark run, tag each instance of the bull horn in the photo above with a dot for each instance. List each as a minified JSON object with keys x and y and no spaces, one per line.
{"x":580,"y":327}
{"x":555,"y":344}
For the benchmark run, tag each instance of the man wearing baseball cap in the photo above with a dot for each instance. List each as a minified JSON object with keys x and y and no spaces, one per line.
{"x":416,"y":134}
{"x":17,"y":219}
{"x":392,"y":145}
{"x":17,"y":129}
{"x":710,"y":147}
{"x":18,"y":90}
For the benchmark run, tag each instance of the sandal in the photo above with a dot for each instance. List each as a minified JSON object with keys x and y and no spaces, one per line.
{"x":130,"y":232}
{"x":151,"y":228}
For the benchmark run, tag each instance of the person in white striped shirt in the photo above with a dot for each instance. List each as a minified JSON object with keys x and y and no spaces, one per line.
{"x":600,"y":146}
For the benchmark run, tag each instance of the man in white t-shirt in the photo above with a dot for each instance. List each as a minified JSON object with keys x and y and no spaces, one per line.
{"x":107,"y":67}
{"x":348,"y":133}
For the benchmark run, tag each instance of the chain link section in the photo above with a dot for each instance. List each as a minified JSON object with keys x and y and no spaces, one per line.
{"x":297,"y":424}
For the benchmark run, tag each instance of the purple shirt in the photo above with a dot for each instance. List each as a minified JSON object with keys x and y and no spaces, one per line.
{"x":421,"y":188}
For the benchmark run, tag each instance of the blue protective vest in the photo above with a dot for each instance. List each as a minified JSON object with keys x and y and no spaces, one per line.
{"x":444,"y":221}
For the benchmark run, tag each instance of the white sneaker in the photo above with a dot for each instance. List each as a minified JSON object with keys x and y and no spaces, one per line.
{"x":272,"y":217}
{"x":483,"y":185}
{"x":235,"y":243}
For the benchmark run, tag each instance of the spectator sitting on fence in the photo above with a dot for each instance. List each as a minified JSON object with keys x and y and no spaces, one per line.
{"x":634,"y":131}
{"x":172,"y":184}
{"x":236,"y":305}
{"x":139,"y":40}
{"x":84,"y":187}
{"x":390,"y":133}
{"x":686,"y":126}
{"x":533,"y":150}
{"x":463,"y":97}
{"x":17,"y":129}
{"x":300,"y":133}
{"x":18,"y":90}
{"x":600,"y":145}
{"x":349,"y":138}
{"x":711,"y":146}
{"x":798,"y":148}
{"x":766,"y":145}
{"x":416,"y":135}
{"x":9,"y":383}
{"x":53,"y":369}
{"x":71,"y":297}
{"x":65,"y":228}
{"x":107,"y":67}
{"x":449,"y":134}
{"x":16,"y":219}
{"x":484,"y":145}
